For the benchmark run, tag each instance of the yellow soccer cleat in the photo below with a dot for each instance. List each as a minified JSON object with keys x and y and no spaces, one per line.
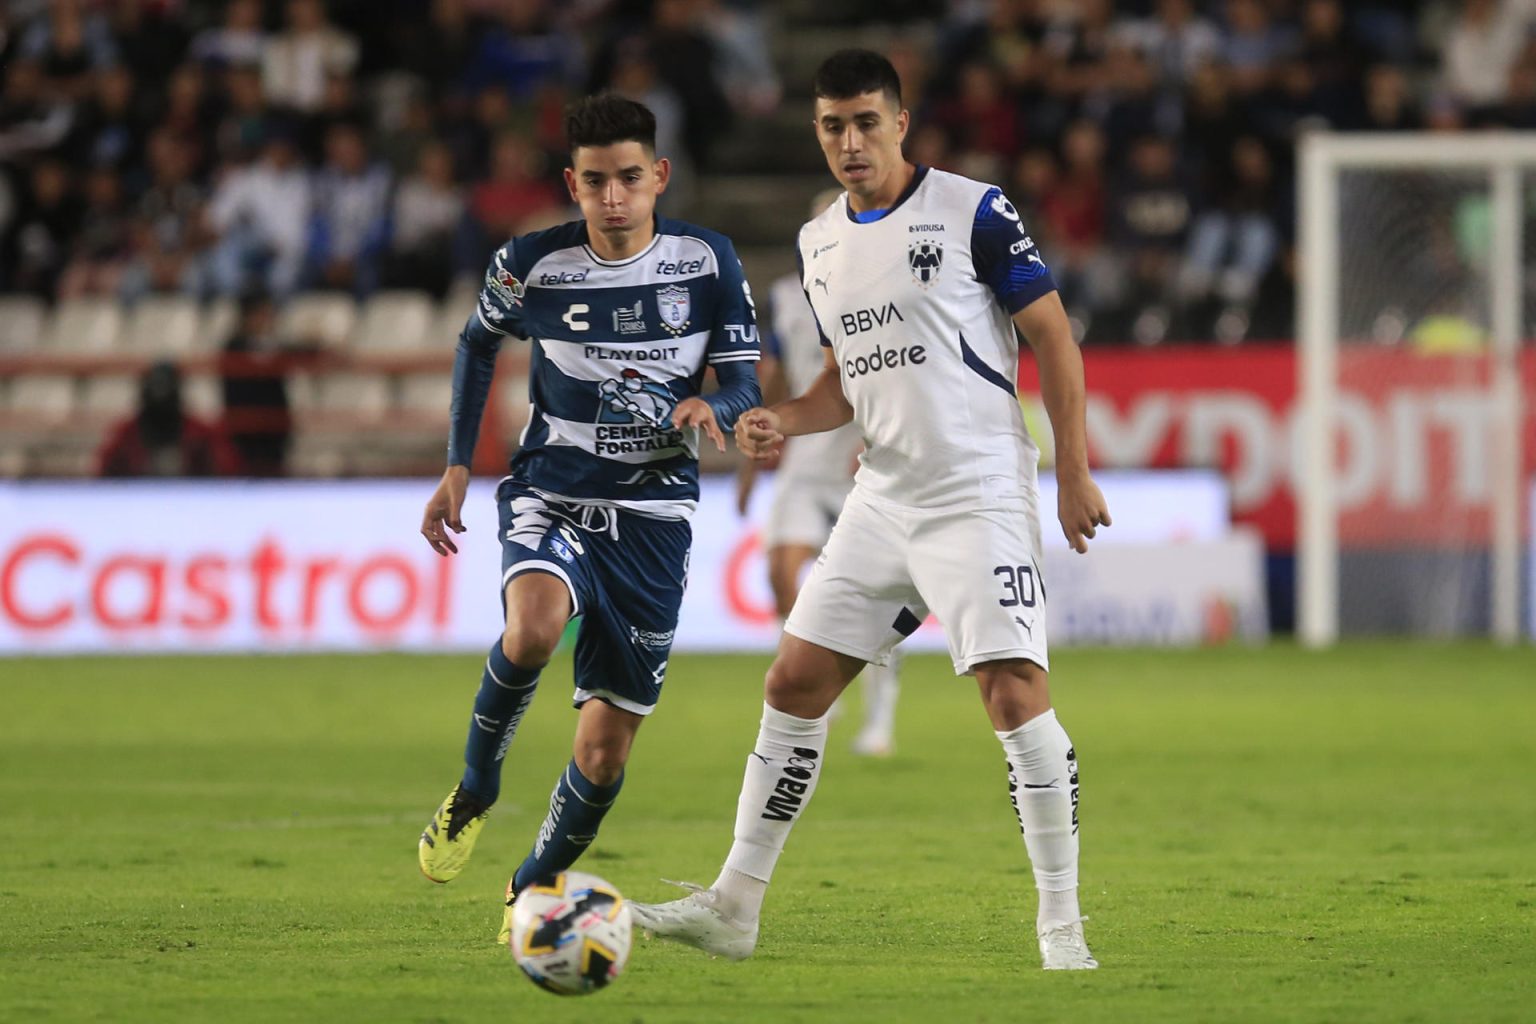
{"x":450,"y":836}
{"x":505,"y":935}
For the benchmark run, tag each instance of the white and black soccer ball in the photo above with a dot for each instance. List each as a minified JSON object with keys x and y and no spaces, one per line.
{"x":572,"y":936}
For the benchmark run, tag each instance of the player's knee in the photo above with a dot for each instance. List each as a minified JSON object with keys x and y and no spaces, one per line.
{"x":602,"y":763}
{"x":1013,"y":692}
{"x":791,"y":687}
{"x":530,"y":644}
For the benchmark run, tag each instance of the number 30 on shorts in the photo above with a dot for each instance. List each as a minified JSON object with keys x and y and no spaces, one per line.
{"x":1018,"y":584}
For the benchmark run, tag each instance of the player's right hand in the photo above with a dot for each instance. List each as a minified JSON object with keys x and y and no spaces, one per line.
{"x":758,"y":435}
{"x":442,"y":512}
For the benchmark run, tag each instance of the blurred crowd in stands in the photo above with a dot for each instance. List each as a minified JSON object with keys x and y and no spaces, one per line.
{"x":211,"y":149}
{"x":1154,"y":143}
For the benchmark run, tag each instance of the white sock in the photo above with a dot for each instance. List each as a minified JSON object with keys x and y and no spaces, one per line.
{"x":882,"y":685}
{"x":1042,"y":782}
{"x":779,"y":781}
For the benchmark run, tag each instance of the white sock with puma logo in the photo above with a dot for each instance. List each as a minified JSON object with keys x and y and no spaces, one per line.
{"x":779,"y":780}
{"x":1042,"y":783}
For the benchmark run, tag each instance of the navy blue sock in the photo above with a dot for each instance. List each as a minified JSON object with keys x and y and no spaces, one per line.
{"x":576,"y":808}
{"x":505,"y":693}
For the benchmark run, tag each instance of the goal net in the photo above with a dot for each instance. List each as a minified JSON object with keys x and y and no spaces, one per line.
{"x":1417,"y":283}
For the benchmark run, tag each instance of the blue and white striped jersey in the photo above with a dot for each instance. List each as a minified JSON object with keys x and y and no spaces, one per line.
{"x":616,"y":346}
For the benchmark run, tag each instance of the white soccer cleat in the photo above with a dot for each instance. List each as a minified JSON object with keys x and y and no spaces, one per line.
{"x":1063,"y":948}
{"x":873,"y":742}
{"x":695,"y":921}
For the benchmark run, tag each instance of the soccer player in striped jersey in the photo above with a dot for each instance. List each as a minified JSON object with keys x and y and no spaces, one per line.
{"x":921,"y":282}
{"x":625,"y":311}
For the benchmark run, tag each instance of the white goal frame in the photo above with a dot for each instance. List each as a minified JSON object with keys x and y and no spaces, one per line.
{"x":1503,"y":155}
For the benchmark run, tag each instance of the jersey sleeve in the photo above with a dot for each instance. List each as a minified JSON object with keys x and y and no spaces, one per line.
{"x":500,"y":307}
{"x":821,"y":335}
{"x":474,"y":367}
{"x":1005,"y":257}
{"x":733,"y":336}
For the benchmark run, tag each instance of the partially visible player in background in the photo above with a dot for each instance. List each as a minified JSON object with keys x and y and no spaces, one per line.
{"x":625,"y":312}
{"x":810,"y":484}
{"x":922,"y":282}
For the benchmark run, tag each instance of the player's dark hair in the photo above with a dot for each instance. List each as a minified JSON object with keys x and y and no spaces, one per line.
{"x":849,"y":73}
{"x":605,"y":119}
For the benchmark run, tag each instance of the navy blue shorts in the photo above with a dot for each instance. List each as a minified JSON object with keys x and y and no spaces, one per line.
{"x":626,"y":575}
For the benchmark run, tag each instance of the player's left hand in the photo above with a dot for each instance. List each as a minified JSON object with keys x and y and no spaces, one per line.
{"x":695,"y":412}
{"x":1081,"y":507}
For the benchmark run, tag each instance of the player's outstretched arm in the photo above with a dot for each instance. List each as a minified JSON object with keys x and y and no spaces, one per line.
{"x":738,"y":392}
{"x":474,"y":366}
{"x":1080,"y":504}
{"x":443,"y":510}
{"x":760,"y":432}
{"x":695,"y":412}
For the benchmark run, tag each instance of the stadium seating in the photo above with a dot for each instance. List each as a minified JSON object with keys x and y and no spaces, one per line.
{"x":355,"y":398}
{"x":396,"y":321}
{"x":21,"y":323}
{"x":456,"y":310}
{"x":220,"y":319}
{"x":83,"y":327}
{"x":43,"y":399}
{"x":168,"y":326}
{"x":325,"y":318}
{"x":376,"y":402}
{"x":424,"y":397}
{"x":202,"y":395}
{"x":107,"y":398}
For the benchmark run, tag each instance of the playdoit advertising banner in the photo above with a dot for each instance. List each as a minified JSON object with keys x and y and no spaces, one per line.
{"x":293,"y":566}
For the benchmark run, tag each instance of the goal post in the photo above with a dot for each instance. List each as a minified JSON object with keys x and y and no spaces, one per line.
{"x":1362,"y":200}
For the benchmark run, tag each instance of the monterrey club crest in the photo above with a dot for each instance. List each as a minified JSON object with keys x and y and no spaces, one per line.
{"x":673,"y":303}
{"x":925,"y":257}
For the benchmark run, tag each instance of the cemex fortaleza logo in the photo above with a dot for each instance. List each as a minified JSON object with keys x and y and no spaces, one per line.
{"x":630,"y":398}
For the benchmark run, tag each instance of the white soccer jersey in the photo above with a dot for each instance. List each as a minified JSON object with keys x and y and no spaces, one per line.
{"x":796,"y":342}
{"x":916,"y":306}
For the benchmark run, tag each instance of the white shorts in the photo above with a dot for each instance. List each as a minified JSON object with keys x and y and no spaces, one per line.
{"x":804,"y":510}
{"x":885,"y":567}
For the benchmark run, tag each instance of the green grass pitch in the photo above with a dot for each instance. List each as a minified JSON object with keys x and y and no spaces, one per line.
{"x":1268,"y":835}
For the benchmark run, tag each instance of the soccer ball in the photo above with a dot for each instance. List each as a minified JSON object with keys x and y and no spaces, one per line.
{"x":571,"y":936}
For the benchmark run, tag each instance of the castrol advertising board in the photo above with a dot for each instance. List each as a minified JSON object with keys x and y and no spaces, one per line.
{"x":292,"y":566}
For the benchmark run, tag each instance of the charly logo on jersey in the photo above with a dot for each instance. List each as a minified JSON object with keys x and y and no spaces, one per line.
{"x":926,"y":257}
{"x":674,"y":303}
{"x":630,"y":398}
{"x":629,"y":319}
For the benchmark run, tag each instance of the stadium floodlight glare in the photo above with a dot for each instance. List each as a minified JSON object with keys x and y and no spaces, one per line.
{"x":1347,"y":184}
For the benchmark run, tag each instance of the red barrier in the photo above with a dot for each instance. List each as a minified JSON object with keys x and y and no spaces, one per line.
{"x":1415,"y":432}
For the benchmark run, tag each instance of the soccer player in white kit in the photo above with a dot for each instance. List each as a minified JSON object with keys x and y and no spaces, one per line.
{"x":918,"y":279}
{"x":810,"y":484}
